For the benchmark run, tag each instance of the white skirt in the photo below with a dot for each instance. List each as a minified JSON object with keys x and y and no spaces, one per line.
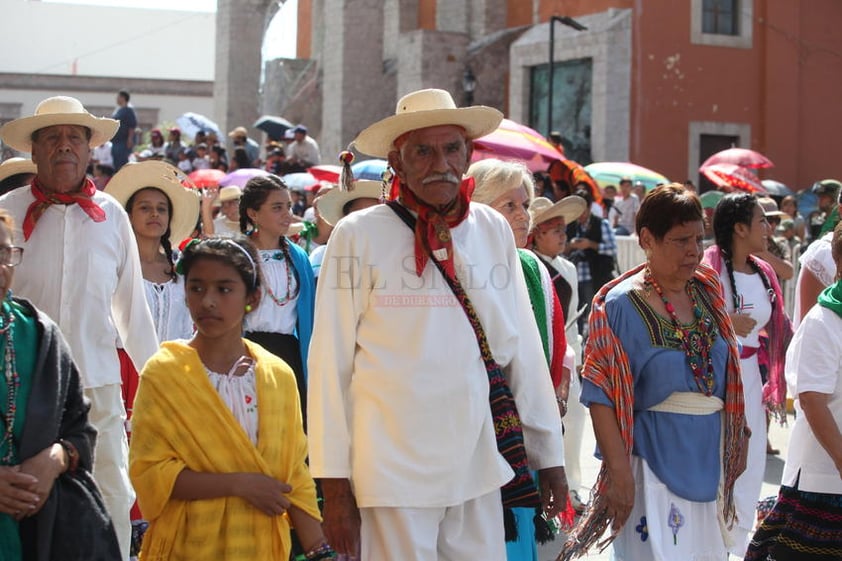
{"x":664,"y":527}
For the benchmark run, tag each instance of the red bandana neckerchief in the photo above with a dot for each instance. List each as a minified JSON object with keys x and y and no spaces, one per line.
{"x":432,"y":229}
{"x":43,"y":200}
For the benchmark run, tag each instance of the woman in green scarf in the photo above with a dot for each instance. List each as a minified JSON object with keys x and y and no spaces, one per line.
{"x":806,"y":521}
{"x":508,"y":188}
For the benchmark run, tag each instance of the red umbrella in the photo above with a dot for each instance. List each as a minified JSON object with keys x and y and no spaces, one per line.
{"x":206,"y":177}
{"x":513,"y":141}
{"x":730,"y":177}
{"x":325,"y":172}
{"x":740,"y":157}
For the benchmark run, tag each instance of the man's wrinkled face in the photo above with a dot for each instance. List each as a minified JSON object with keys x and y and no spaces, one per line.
{"x":432,"y":161}
{"x":61,"y":153}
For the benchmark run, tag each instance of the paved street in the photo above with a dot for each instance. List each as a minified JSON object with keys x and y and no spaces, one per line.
{"x":779,"y":437}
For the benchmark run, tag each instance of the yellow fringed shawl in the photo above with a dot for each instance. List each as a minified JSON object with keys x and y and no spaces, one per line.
{"x":180,"y":422}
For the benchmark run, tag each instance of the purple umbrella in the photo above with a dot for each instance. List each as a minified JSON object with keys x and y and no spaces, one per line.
{"x":241,"y":176}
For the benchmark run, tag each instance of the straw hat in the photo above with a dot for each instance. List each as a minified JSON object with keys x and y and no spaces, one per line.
{"x":14,"y":166}
{"x":331,"y":204}
{"x":422,"y":109}
{"x":570,"y":208}
{"x":184,"y":198}
{"x":59,"y":110}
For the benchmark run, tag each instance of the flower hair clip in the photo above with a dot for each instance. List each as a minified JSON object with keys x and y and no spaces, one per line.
{"x":185,"y":244}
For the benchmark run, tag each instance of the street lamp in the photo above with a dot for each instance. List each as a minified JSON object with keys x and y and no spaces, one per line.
{"x":469,"y":84}
{"x":569,"y":22}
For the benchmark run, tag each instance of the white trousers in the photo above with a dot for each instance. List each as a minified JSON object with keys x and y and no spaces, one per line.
{"x":574,"y":428}
{"x":466,"y":532}
{"x":748,"y":485}
{"x":111,"y":458}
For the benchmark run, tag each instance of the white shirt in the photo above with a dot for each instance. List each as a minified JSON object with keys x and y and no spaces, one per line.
{"x":818,"y":260}
{"x":567,"y":270}
{"x":306,"y":151}
{"x":224,"y":227}
{"x":86,"y":276}
{"x":102,"y":154}
{"x":169,"y":309}
{"x":271,"y":316}
{"x":814,"y":364}
{"x":398,"y":393}
{"x":626,"y":211}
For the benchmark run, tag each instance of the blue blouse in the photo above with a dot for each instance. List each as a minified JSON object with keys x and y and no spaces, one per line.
{"x":683,"y":451}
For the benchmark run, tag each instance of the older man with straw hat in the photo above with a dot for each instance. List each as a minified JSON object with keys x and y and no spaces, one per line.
{"x":402,"y":420}
{"x":84,"y":272}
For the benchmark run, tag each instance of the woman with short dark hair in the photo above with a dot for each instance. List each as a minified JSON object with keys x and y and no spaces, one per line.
{"x":661,"y":367}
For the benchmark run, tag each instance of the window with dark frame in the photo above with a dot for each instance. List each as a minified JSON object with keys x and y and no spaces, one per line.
{"x":721,"y":17}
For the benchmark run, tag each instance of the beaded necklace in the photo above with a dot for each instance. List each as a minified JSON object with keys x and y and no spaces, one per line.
{"x":700,"y":363}
{"x":282,"y":256}
{"x":12,"y":386}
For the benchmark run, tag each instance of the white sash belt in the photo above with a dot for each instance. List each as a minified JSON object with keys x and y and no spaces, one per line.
{"x":689,"y":403}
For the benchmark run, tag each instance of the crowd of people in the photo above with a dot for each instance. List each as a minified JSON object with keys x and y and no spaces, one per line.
{"x":400,"y":369}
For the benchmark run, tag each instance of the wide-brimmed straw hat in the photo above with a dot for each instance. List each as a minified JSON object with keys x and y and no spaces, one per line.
{"x":422,"y":109}
{"x":14,"y":166}
{"x":570,"y":208}
{"x":331,"y":204}
{"x":59,"y":110}
{"x":172,"y":181}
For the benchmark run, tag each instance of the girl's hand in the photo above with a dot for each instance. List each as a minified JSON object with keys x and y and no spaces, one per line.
{"x":743,"y":324}
{"x":262,"y":492}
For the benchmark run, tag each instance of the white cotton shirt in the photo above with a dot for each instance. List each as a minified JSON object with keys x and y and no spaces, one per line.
{"x":86,"y":276}
{"x":754,"y":301}
{"x":398,"y":393}
{"x":168,"y":306}
{"x":270,"y":316}
{"x":814,"y":364}
{"x":818,"y":260}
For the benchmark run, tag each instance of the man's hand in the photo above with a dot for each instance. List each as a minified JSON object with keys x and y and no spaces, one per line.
{"x":553,"y":488}
{"x":341,"y":516}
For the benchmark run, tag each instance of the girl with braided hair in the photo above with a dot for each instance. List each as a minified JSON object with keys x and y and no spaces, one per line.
{"x":284,"y":321}
{"x":755,"y":304}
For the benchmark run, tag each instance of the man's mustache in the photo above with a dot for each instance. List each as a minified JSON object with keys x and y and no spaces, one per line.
{"x":435,"y":177}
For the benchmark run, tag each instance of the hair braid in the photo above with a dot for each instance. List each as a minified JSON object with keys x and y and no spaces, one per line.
{"x":165,"y":243}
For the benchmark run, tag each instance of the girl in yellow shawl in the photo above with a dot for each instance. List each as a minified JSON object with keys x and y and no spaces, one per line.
{"x":218,"y":448}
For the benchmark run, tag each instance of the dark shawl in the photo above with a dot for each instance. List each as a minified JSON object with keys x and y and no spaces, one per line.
{"x":73,"y":523}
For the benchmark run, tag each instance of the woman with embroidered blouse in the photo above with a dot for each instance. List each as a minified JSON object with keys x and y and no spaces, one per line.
{"x":660,"y":368}
{"x":754,"y":302}
{"x":283,"y":322}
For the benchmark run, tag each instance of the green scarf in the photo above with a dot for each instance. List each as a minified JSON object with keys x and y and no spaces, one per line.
{"x":532,"y":272}
{"x":831,"y":297}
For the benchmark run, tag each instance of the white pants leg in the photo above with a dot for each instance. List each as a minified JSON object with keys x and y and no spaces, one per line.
{"x":111,"y":458}
{"x":748,"y":485}
{"x":574,"y":427}
{"x":466,"y":532}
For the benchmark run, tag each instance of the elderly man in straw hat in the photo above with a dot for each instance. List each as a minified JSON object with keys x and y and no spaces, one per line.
{"x":401,"y":428}
{"x":84,"y":272}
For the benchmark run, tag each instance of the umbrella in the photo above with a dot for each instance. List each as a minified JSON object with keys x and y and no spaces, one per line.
{"x":206,"y":177}
{"x":191,"y":123}
{"x":369,"y":169}
{"x":513,"y":141}
{"x":241,"y":176}
{"x":776,"y":188}
{"x":273,"y":126}
{"x":325,"y":172}
{"x":730,"y":177}
{"x":711,"y":198}
{"x":740,"y":157}
{"x":300,"y":181}
{"x":610,"y":173}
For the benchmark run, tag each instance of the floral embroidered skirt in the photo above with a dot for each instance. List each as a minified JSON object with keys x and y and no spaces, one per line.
{"x":665,"y":527}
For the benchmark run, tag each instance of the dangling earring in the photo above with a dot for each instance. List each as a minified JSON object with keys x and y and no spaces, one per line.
{"x":248,"y":308}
